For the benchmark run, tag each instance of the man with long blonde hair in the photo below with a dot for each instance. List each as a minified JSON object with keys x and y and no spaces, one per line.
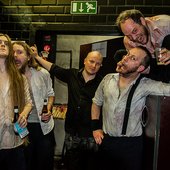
{"x":40,"y":150}
{"x":14,"y":91}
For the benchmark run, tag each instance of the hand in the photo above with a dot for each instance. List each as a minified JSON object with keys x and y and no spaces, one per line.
{"x":35,"y":51}
{"x":45,"y":117}
{"x":165,"y":56}
{"x":98,"y":136}
{"x":22,"y":120}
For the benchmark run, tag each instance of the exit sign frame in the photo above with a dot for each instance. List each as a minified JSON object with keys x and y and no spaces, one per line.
{"x":83,"y":7}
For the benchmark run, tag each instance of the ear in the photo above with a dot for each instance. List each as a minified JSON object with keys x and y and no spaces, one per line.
{"x":85,"y":60}
{"x":143,"y":21}
{"x":141,"y":68}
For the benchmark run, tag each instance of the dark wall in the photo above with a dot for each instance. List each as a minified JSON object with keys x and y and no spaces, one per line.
{"x":22,"y":18}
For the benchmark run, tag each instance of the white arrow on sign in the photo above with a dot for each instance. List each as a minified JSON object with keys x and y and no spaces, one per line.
{"x":81,"y":7}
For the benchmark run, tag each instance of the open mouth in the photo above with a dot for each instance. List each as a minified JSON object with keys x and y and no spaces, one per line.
{"x":141,"y":39}
{"x":120,"y":65}
{"x":17,"y":63}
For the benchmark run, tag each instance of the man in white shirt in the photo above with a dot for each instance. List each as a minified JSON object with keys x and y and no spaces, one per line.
{"x":124,"y":151}
{"x":40,"y":150}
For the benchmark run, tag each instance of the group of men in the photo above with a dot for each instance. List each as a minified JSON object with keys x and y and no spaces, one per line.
{"x":96,"y":135}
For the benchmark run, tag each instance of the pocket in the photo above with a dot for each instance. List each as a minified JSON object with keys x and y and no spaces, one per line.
{"x":71,"y":142}
{"x":92,"y":145}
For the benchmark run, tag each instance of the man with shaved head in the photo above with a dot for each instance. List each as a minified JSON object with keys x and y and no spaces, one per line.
{"x":82,"y":84}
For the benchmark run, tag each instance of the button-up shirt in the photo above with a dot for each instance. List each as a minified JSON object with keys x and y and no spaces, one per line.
{"x":41,"y":87}
{"x":8,"y":138}
{"x":80,"y":94}
{"x":114,"y":101}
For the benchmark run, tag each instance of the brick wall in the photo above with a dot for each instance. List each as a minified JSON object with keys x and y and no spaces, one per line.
{"x":21,"y":18}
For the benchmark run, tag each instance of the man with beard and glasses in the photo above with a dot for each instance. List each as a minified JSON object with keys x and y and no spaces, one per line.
{"x":121,"y":149}
{"x":149,"y":32}
{"x":81,"y":149}
{"x":40,"y":150}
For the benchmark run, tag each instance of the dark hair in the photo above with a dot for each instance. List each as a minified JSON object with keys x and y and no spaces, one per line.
{"x":146,"y":60}
{"x":119,"y":54}
{"x":134,"y":14}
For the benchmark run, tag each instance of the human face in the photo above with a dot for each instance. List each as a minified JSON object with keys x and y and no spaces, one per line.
{"x":131,"y":63}
{"x":21,"y":58}
{"x":134,"y":31}
{"x":4,"y":47}
{"x":92,"y":63}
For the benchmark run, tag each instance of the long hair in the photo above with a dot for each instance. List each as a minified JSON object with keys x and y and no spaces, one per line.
{"x":32,"y":62}
{"x":15,"y":78}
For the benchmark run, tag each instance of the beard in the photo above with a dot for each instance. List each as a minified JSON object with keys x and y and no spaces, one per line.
{"x":126,"y":72}
{"x":146,"y":33}
{"x":22,"y":67}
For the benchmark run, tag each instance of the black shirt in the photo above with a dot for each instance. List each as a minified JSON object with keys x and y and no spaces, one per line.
{"x":80,"y":94}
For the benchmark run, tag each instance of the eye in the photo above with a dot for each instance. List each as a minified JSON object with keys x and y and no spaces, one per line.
{"x":98,"y":64}
{"x":133,"y":58}
{"x":134,"y":31}
{"x":19,"y":52}
{"x":91,"y":62}
{"x":5,"y":42}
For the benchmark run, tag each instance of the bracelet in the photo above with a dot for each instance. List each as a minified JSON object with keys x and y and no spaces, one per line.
{"x":95,"y":124}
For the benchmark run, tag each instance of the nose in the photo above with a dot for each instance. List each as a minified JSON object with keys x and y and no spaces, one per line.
{"x":2,"y":43}
{"x":125,"y":57}
{"x":94,"y":65}
{"x":133,"y":37}
{"x":15,"y":54}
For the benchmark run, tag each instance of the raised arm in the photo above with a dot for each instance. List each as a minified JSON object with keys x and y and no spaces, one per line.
{"x":46,"y":64}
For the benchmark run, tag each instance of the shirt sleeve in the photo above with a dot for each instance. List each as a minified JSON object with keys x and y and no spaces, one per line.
{"x":99,"y":94}
{"x":27,"y":92}
{"x":153,"y":87}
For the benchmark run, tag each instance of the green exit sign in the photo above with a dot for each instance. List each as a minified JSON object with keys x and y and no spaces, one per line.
{"x":83,"y":7}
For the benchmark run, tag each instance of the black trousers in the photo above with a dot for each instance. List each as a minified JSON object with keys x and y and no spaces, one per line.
{"x":121,"y":153}
{"x":81,"y":153}
{"x":12,"y":159}
{"x":40,"y":151}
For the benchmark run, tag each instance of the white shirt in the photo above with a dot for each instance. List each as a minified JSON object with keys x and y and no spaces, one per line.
{"x":41,"y":86}
{"x":114,"y":103}
{"x":8,"y":139}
